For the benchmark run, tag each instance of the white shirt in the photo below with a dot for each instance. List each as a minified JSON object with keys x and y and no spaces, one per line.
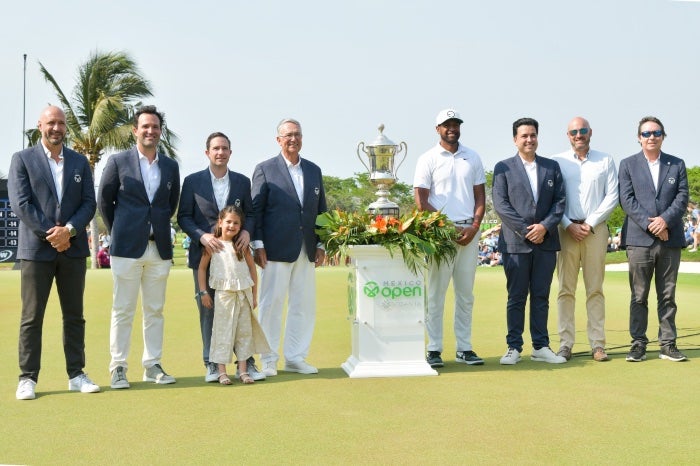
{"x":150,"y":173}
{"x":56,"y":171}
{"x":591,"y":186}
{"x":531,"y":170}
{"x":654,"y":170}
{"x":221,"y":189}
{"x":451,"y":179}
{"x":297,"y":177}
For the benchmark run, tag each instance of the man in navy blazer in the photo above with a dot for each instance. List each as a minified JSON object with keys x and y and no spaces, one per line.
{"x":288,"y":195}
{"x":528,"y":195}
{"x":138,"y":194}
{"x":51,"y":192}
{"x":654,"y":196}
{"x":204,"y":195}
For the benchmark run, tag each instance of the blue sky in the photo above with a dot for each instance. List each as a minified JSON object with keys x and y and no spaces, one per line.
{"x":341,"y":68}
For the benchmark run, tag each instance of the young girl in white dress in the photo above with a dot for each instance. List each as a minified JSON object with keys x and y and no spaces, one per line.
{"x":233,"y":276}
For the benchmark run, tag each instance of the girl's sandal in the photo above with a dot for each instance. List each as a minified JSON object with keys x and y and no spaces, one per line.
{"x":246,"y":378}
{"x":224,"y":380}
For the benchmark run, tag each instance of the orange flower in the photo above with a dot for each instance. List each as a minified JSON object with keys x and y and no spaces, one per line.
{"x":380,"y":224}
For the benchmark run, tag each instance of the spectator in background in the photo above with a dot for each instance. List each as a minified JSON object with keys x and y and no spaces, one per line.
{"x":103,"y":260}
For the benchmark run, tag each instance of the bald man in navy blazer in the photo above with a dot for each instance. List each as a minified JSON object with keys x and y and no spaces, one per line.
{"x":52,"y":193}
{"x":138,"y":195}
{"x":654,"y":196}
{"x":529,"y":196}
{"x":288,"y":195}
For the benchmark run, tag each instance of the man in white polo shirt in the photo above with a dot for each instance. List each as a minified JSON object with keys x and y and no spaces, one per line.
{"x":450,"y":177}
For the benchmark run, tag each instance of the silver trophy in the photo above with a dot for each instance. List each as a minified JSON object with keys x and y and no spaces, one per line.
{"x":382,"y":172}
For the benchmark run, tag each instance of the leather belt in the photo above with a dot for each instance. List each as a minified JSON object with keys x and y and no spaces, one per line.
{"x":581,"y":222}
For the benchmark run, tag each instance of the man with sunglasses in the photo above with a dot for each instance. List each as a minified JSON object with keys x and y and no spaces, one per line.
{"x":654,"y":196}
{"x":590,"y":179}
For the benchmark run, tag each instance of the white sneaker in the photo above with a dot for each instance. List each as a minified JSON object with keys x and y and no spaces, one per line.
{"x":83,"y":384}
{"x":254,"y":373}
{"x":212,"y":374}
{"x":545,"y":354}
{"x":269,"y":368}
{"x":511,"y":357}
{"x":25,"y":389}
{"x":156,"y":374}
{"x":301,"y":367}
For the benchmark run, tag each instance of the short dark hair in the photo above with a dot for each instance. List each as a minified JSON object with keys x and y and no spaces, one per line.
{"x":525,"y":122}
{"x":653,"y":119}
{"x":150,"y":110}
{"x":218,"y":134}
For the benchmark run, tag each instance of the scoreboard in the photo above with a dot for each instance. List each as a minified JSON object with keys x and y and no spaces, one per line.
{"x":9,"y":227}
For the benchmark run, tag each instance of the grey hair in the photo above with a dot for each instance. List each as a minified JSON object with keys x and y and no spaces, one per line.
{"x":284,"y":122}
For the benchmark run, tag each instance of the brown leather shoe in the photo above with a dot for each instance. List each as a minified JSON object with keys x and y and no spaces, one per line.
{"x":564,"y":352}
{"x":599,"y":354}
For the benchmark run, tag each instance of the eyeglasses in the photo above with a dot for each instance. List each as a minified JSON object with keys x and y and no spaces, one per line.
{"x":582,"y":131}
{"x":291,"y":135}
{"x":647,"y":134}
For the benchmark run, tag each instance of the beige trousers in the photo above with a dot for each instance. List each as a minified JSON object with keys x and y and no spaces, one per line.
{"x":588,"y":255}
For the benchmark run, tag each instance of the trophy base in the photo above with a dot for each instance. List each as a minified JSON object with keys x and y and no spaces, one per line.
{"x":385,"y":208}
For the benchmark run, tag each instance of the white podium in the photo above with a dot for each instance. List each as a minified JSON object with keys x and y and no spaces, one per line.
{"x":387,"y":309}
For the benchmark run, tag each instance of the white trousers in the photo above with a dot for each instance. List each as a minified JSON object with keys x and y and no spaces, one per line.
{"x":149,"y":273}
{"x":295,"y":281}
{"x":462,"y":272}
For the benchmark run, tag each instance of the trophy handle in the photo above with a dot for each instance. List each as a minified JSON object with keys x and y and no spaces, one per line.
{"x":362,"y":145}
{"x":402,"y":148}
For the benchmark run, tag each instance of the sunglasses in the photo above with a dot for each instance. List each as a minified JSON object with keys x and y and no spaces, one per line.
{"x":647,"y":134}
{"x":582,"y":131}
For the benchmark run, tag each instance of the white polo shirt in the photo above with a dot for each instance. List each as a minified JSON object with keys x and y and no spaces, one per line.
{"x":451,"y":179}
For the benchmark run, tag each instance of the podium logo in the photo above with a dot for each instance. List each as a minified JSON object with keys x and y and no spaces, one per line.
{"x":373,"y":290}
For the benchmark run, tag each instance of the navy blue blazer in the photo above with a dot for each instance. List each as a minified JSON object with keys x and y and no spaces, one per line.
{"x":640,"y":200}
{"x":514,"y":202}
{"x":198,"y":211}
{"x":281,"y":221}
{"x":34,"y":199}
{"x":126,"y":210}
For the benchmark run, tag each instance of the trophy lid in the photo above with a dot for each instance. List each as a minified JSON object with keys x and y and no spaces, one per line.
{"x":381,"y":140}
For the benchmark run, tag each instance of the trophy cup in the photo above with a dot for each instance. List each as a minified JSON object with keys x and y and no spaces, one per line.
{"x":382,"y":172}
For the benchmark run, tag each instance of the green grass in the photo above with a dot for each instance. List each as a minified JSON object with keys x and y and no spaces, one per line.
{"x":578,"y":413}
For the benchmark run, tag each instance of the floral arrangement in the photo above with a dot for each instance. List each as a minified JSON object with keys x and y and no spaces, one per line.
{"x":422,"y":237}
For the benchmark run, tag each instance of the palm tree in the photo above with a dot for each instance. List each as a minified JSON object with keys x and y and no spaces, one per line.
{"x":100,"y":112}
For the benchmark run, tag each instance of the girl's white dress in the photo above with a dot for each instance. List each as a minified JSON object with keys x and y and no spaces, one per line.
{"x":235,"y":326}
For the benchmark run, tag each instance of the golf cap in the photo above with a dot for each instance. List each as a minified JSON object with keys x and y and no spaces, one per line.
{"x":447,"y":114}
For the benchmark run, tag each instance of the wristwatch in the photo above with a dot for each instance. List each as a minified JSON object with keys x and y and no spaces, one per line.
{"x":201,"y":293}
{"x":72,"y":231}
